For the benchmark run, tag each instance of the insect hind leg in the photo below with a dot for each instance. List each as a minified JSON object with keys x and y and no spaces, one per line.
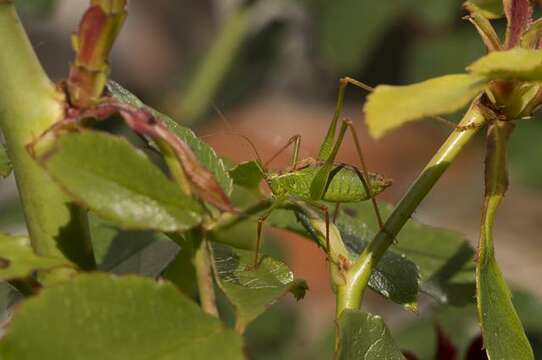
{"x":325,"y":211}
{"x":364,"y":174}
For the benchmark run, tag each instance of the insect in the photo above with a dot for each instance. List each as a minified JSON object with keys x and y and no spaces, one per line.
{"x":313,"y":180}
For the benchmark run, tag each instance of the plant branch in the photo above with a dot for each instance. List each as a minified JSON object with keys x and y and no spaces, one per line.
{"x":350,"y":295}
{"x":204,"y":274}
{"x":29,"y":104}
{"x":98,"y":30}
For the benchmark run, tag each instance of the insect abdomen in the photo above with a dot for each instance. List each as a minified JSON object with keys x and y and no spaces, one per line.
{"x":344,"y":185}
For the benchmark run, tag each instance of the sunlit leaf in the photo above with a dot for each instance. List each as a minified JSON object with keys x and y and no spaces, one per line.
{"x":517,"y":63}
{"x":389,"y":107}
{"x":251,"y":291}
{"x":118,"y":183}
{"x":18,"y":260}
{"x":98,"y":316}
{"x":205,"y":154}
{"x":365,"y":336}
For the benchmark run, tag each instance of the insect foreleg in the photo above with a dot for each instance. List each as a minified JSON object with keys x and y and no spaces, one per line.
{"x":259,"y":229}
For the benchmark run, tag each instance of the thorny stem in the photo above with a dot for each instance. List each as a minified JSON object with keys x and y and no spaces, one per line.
{"x":350,"y":295}
{"x":29,"y":104}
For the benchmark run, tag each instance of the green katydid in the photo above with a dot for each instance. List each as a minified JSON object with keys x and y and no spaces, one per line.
{"x":313,"y":180}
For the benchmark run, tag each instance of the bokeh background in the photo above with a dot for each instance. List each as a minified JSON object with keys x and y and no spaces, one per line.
{"x":269,"y":69}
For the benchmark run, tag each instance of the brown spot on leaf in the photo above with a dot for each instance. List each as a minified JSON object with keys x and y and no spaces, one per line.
{"x":409,"y":356}
{"x":4,"y":263}
{"x":350,"y":212}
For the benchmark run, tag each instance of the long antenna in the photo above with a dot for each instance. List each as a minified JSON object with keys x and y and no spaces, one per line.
{"x":230,"y":131}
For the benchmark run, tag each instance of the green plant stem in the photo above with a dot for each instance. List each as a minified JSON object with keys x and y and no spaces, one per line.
{"x":350,"y":295}
{"x":197,"y":238}
{"x":29,"y":104}
{"x":216,"y":63}
{"x":204,"y":276}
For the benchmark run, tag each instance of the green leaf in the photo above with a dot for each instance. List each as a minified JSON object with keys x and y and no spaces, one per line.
{"x":119,"y":251}
{"x":491,"y":9}
{"x":5,"y":163}
{"x":181,"y":271}
{"x":365,"y":336}
{"x":350,"y":30}
{"x":248,"y":174}
{"x":444,"y":258}
{"x":205,"y":154}
{"x":252,"y":291}
{"x":18,"y":260}
{"x":504,"y":337}
{"x":517,"y":63}
{"x":98,"y":316}
{"x":107,"y":175}
{"x":389,"y":107}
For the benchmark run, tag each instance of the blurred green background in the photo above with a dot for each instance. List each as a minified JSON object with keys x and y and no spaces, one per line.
{"x":269,"y":69}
